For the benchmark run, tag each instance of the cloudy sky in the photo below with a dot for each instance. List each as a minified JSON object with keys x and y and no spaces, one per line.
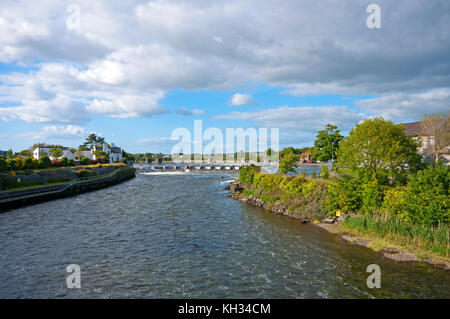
{"x":133,"y":71}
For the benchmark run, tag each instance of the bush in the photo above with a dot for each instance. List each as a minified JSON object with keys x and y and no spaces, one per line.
{"x":372,"y":195}
{"x":64,"y":161}
{"x":85,"y":161}
{"x":324,"y":173}
{"x":394,"y":202}
{"x":27,"y":163}
{"x":247,"y":173}
{"x":428,"y":196}
{"x":294,"y":187}
{"x":3,"y":165}
{"x":344,"y":194}
{"x":35,"y":163}
{"x":70,"y":162}
{"x":124,"y":160}
{"x":44,"y":162}
{"x":14,"y":163}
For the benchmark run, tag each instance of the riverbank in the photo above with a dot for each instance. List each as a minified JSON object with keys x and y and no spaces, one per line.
{"x":34,"y":194}
{"x":341,"y":226}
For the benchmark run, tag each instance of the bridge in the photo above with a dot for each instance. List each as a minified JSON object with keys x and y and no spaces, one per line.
{"x":193,"y":166}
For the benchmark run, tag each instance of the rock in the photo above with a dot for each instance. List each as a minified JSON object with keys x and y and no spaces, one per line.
{"x":328,"y":221}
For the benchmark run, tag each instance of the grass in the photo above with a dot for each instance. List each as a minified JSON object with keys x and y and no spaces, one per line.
{"x":420,"y":237}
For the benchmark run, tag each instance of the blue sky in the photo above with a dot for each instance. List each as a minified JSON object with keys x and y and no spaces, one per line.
{"x":134,"y":71}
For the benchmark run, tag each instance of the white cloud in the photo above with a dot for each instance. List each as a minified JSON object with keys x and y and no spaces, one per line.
{"x":239,"y":99}
{"x":302,"y":118}
{"x":186,"y":112}
{"x":409,"y":106}
{"x":126,"y":56}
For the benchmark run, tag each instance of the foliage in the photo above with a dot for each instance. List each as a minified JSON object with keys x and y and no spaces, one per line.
{"x":288,"y":163}
{"x":56,"y":152}
{"x":378,"y":147}
{"x":324,"y":173}
{"x":344,"y":194}
{"x":70,"y":162}
{"x":27,"y":163}
{"x":93,"y":140}
{"x":44,"y":162}
{"x":14,"y":163}
{"x":327,"y":142}
{"x":427,"y":199}
{"x":3,"y":165}
{"x":247,"y":173}
{"x":294,"y":187}
{"x":85,"y":161}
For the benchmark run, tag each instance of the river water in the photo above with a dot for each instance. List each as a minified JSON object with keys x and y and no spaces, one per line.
{"x":176,"y":234}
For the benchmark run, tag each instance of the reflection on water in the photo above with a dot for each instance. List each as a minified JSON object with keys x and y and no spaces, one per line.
{"x":178,"y":235}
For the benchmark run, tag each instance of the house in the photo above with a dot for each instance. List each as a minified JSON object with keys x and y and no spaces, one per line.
{"x":38,"y":152}
{"x":414,"y":129}
{"x":87,"y":154}
{"x":305,"y":157}
{"x":114,"y":152}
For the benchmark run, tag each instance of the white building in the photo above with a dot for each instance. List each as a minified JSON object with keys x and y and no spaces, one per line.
{"x":38,"y":152}
{"x":114,"y":152}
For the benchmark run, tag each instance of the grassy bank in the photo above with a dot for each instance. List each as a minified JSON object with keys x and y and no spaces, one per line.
{"x":421,"y":238}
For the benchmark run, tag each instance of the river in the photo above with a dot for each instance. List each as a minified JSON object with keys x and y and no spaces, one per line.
{"x":176,"y":234}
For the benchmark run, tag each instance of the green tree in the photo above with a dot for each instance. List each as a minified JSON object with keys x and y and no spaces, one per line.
{"x":327,"y":142}
{"x":379,"y":149}
{"x":288,"y":163}
{"x":324,"y":173}
{"x":93,"y":140}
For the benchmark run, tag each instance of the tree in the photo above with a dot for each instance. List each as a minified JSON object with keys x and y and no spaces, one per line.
{"x":288,"y":163}
{"x":327,"y":142}
{"x":9,"y":153}
{"x":436,"y":126}
{"x":380,"y":149}
{"x":72,"y":150}
{"x":56,"y":152}
{"x":93,"y":140}
{"x":27,"y":163}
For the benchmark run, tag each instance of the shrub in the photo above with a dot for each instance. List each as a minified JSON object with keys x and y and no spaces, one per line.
{"x":372,"y":195}
{"x":64,"y":161}
{"x":44,"y":162}
{"x":324,"y":173}
{"x":3,"y":165}
{"x":35,"y":163}
{"x":14,"y":163}
{"x":27,"y":163}
{"x":247,"y":173}
{"x":344,"y":194}
{"x":96,"y":161}
{"x":394,"y":202}
{"x":428,"y":196}
{"x":70,"y":162}
{"x":294,"y":187}
{"x":85,"y":161}
{"x":124,"y":160}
